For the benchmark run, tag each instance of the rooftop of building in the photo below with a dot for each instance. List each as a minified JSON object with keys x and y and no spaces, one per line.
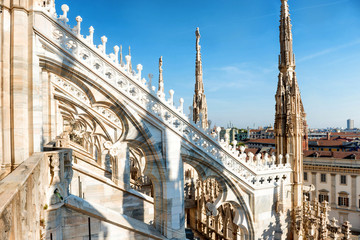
{"x":331,"y":154}
{"x":262,"y":140}
{"x":349,"y":160}
{"x":327,"y":143}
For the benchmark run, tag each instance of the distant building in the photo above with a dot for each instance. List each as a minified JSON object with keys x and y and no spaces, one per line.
{"x":234,"y":134}
{"x":317,"y":135}
{"x":336,"y":177}
{"x":337,"y":145}
{"x":261,"y":143}
{"x":322,"y":134}
{"x":267,"y":133}
{"x":241,"y":135}
{"x":350,"y":124}
{"x":348,"y":135}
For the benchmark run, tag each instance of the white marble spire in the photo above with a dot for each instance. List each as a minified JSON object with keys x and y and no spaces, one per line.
{"x":199,"y":102}
{"x":289,"y":117}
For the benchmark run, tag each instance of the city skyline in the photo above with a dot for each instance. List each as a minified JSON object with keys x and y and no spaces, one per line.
{"x":239,"y":52}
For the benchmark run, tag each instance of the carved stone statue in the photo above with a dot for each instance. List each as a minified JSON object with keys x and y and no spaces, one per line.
{"x":251,"y":157}
{"x":161,"y":93}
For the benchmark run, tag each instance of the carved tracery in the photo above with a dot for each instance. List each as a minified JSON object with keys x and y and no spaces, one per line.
{"x":138,"y":180}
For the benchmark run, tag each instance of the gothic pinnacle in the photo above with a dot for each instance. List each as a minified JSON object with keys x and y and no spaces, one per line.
{"x":286,"y":57}
{"x":290,"y":123}
{"x":199,"y":102}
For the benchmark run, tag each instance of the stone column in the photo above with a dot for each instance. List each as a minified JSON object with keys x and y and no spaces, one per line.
{"x":173,"y":192}
{"x":55,"y":120}
{"x":353,"y":192}
{"x":121,"y":166}
{"x":38,"y":109}
{"x":333,"y":191}
{"x":5,"y":100}
{"x":21,"y":108}
{"x":17,"y":99}
{"x":46,"y":106}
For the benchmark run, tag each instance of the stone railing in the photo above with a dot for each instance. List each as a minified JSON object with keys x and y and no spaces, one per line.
{"x":111,"y":69}
{"x":25,"y":194}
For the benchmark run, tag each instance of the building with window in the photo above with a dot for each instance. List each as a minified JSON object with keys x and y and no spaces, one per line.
{"x":233,"y":134}
{"x":350,"y":124}
{"x":339,"y":144}
{"x":336,"y":177}
{"x":267,"y":133}
{"x":261,"y":143}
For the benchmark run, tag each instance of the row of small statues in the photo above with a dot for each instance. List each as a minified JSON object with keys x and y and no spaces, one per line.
{"x":313,"y":219}
{"x":259,"y":158}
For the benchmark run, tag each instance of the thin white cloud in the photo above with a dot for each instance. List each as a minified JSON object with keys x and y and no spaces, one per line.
{"x":329,"y":50}
{"x":234,"y":77}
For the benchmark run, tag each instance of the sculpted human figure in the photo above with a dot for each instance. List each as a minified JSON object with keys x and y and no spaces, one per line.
{"x":197,"y":34}
{"x":227,"y":138}
{"x":258,"y":159}
{"x":266,"y":159}
{"x":273,"y":159}
{"x":251,"y":157}
{"x":161,"y":80}
{"x":242,"y":154}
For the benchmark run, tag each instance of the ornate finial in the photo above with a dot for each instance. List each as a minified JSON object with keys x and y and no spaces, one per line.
{"x":139,"y":67}
{"x":90,"y":38}
{"x":121,"y":56}
{"x":128,"y":62}
{"x":103,"y":46}
{"x":171,"y":98}
{"x":161,"y":80}
{"x":150,"y":80}
{"x":77,"y":28}
{"x":65,"y":8}
{"x":130,"y":66}
{"x":116,"y":52}
{"x":181,"y":107}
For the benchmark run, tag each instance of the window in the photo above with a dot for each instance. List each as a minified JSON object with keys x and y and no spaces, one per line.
{"x":323,"y":177}
{"x":343,"y":199}
{"x":343,"y":179}
{"x":323,"y":197}
{"x":305,"y":176}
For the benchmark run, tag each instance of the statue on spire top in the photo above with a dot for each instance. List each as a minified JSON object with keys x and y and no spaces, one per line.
{"x":161,"y":80}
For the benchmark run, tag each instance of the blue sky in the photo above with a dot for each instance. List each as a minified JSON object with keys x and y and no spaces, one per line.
{"x":239,"y":40}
